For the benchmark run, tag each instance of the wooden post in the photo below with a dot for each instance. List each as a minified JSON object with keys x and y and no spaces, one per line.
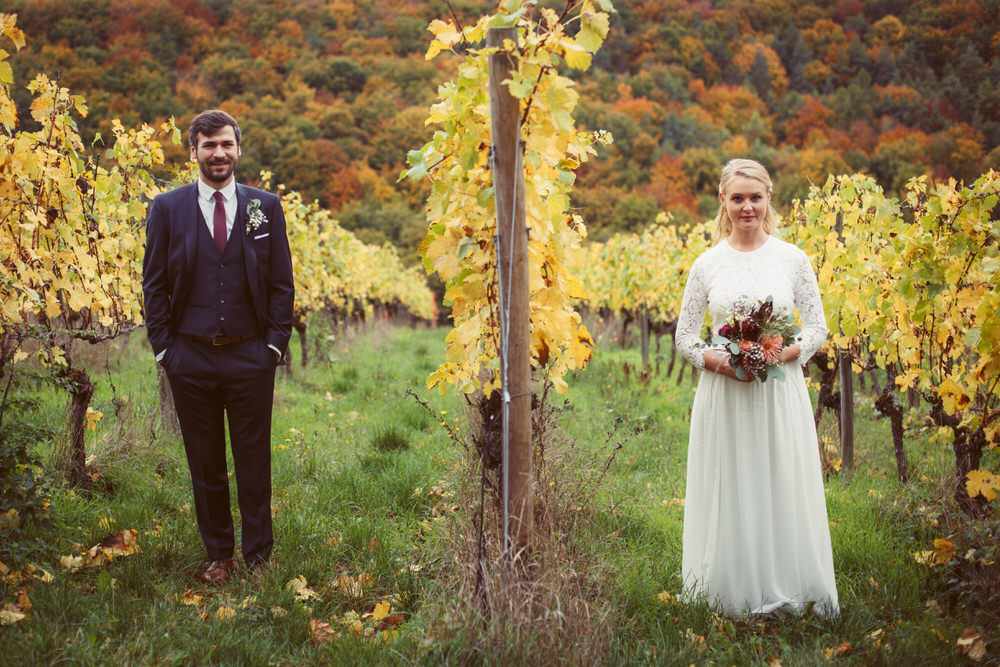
{"x":508,"y":189}
{"x":644,"y":335}
{"x":846,"y":391}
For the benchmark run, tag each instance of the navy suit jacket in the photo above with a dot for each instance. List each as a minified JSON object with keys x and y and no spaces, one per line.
{"x":167,"y":267}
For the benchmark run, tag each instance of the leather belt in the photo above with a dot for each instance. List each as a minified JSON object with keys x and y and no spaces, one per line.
{"x":220,"y":340}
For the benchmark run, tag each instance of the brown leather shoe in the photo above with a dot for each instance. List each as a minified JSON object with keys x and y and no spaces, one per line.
{"x":257,"y":568}
{"x":218,"y":571}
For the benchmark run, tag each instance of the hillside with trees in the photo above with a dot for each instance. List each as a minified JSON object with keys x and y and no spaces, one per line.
{"x":332,"y":94}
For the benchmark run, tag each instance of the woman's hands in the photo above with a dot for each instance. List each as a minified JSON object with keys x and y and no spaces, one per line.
{"x":717,"y":361}
{"x":789,"y":353}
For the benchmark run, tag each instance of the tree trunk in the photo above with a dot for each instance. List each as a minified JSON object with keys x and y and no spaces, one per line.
{"x":888,"y":404}
{"x":299,"y":324}
{"x":828,"y":398}
{"x":626,"y":320}
{"x":81,"y":390}
{"x":968,"y":448}
{"x":846,"y":410}
{"x":168,"y":412}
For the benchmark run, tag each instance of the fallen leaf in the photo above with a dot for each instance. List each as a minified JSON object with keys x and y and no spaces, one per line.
{"x":972,"y":645}
{"x":695,"y":641}
{"x":9,"y":518}
{"x":843,"y":649}
{"x":301,"y":590}
{"x":944,"y":551}
{"x":190,"y":598}
{"x":9,"y":617}
{"x":354,"y":587}
{"x":381,"y":611}
{"x":392,"y":620}
{"x":321,"y":631}
{"x":225,"y":613}
{"x":71,"y":562}
{"x":665,"y":597}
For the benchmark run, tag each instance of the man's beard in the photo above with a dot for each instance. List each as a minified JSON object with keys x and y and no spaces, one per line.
{"x":206,"y":167}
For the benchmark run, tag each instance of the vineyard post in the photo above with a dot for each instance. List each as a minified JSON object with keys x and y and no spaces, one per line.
{"x":846,"y":389}
{"x":515,"y":297}
{"x":644,"y":335}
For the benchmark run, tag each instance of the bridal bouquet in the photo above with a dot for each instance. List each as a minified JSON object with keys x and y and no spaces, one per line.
{"x":754,"y":336}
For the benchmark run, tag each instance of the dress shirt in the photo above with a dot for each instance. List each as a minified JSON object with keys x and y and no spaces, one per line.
{"x":206,"y":201}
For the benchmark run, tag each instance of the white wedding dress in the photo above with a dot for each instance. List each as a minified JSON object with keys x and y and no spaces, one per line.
{"x":756,"y":537}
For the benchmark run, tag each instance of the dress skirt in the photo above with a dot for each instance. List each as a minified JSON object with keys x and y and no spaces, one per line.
{"x":756,"y":536}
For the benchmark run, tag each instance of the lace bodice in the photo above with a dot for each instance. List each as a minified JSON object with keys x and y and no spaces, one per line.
{"x":722,"y":274}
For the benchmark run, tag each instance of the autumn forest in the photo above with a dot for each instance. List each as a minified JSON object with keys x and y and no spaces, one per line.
{"x":332,"y":94}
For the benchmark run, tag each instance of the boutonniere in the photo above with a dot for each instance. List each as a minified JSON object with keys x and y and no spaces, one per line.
{"x":256,"y":217}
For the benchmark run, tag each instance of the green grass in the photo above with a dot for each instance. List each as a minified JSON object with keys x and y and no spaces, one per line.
{"x":367,"y":485}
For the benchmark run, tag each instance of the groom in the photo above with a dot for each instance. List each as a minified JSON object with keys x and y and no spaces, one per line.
{"x":217,"y":282}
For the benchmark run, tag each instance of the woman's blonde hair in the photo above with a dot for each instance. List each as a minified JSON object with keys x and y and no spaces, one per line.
{"x":747,"y":169}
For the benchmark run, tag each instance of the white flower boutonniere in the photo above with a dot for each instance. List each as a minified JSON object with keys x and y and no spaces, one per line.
{"x":256,"y":217}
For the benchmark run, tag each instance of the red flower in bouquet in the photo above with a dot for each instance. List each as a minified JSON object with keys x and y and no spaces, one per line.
{"x":754,"y":336}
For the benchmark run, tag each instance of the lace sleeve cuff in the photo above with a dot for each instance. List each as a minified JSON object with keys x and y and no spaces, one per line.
{"x":810,"y":307}
{"x":689,"y":320}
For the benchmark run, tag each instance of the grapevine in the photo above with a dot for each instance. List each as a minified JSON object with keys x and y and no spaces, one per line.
{"x":460,"y":243}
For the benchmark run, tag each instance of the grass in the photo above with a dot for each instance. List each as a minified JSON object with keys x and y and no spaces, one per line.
{"x":374,"y":505}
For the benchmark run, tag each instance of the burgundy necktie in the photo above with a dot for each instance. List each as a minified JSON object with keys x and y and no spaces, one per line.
{"x":219,"y":223}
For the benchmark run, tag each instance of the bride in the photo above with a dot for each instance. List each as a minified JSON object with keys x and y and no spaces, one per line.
{"x":756,"y":537}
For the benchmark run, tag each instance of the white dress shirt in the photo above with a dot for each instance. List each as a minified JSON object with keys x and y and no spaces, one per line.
{"x":206,"y":201}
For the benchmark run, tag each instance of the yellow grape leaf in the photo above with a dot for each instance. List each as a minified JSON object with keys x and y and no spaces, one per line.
{"x":952,"y":396}
{"x":665,"y":597}
{"x":984,"y":483}
{"x":593,"y":29}
{"x":381,"y":611}
{"x":10,"y":518}
{"x":93,"y":416}
{"x":8,"y":23}
{"x":944,"y":551}
{"x":575,"y":55}
{"x":190,"y":598}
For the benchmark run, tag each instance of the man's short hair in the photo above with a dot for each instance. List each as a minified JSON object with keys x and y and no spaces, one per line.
{"x":209,"y":122}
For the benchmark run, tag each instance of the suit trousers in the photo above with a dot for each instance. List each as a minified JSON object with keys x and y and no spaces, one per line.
{"x":213,"y":385}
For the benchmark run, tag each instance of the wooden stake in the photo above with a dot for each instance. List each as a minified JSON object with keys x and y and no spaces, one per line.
{"x":508,"y":188}
{"x":846,"y":391}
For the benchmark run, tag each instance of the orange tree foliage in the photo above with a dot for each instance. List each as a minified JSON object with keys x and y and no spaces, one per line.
{"x":302,"y":76}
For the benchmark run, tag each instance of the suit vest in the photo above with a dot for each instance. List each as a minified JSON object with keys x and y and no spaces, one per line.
{"x":220,"y":302}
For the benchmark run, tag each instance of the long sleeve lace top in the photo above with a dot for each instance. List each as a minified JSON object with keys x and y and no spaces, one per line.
{"x":722,"y":274}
